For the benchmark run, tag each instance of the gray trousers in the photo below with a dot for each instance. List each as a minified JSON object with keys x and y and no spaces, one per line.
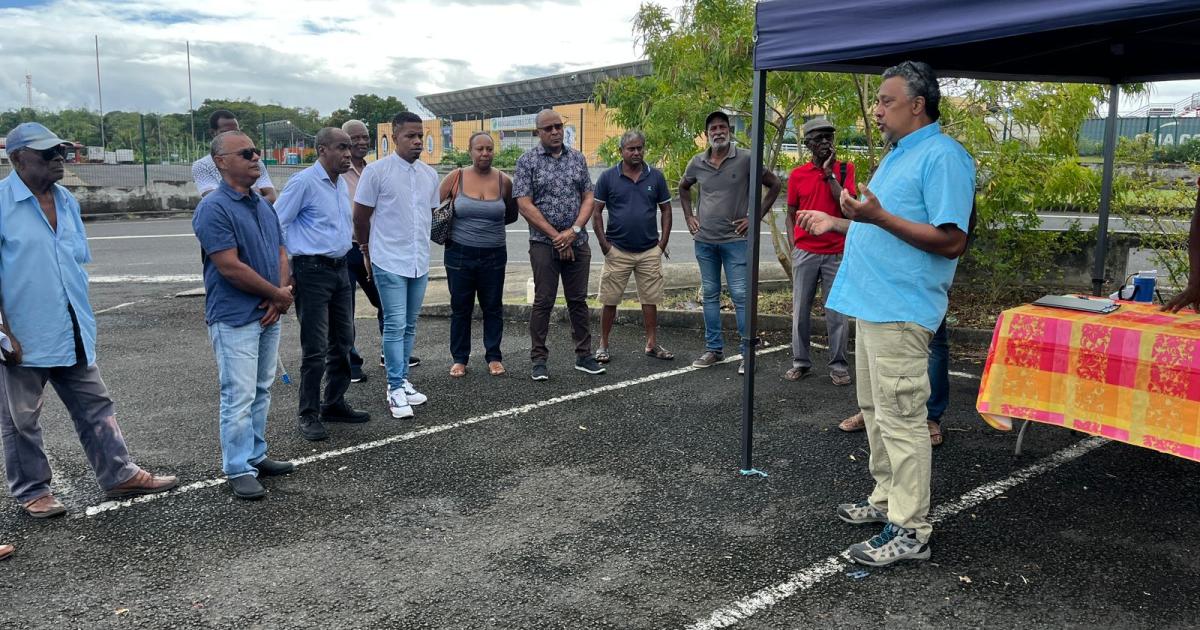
{"x":87,"y":401}
{"x":808,"y":271}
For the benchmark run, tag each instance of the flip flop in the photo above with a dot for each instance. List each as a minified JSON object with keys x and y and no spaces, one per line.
{"x":496,"y":368}
{"x":458,"y":370}
{"x":659,"y":352}
{"x":935,"y":434}
{"x":853,"y":423}
{"x":603,"y":356}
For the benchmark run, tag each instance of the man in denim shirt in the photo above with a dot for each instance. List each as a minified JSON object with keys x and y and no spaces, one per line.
{"x":247,"y":288}
{"x":48,"y":331}
{"x":554,"y":193}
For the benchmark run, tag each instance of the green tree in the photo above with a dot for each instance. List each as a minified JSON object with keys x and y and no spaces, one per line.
{"x":373,"y":109}
{"x":702,"y":62}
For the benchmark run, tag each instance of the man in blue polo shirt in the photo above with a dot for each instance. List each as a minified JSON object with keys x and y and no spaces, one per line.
{"x":314,"y":212}
{"x":48,"y":331}
{"x":634,"y":192}
{"x":902,"y":248}
{"x":247,"y":288}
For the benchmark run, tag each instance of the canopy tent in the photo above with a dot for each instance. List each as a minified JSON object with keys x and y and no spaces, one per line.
{"x":1083,"y":41}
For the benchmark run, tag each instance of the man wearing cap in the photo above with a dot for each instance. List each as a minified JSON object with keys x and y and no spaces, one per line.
{"x":817,"y":185}
{"x":719,"y":226}
{"x":48,"y":331}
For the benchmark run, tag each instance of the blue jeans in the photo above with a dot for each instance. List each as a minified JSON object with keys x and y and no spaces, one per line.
{"x":401,"y":298}
{"x":246,"y":359}
{"x":939,"y":374}
{"x":472,"y":272}
{"x":711,"y":257}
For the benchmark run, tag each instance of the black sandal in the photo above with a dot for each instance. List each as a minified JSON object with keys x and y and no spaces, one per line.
{"x":659,"y":352}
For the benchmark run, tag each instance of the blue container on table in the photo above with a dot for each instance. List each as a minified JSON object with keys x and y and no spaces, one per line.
{"x":1143,"y":288}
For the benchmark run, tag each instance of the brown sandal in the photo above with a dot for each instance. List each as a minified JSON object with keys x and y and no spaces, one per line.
{"x":854,"y":423}
{"x":458,"y":370}
{"x":935,"y":433}
{"x":5,"y":551}
{"x":496,"y":368}
{"x":659,"y":352}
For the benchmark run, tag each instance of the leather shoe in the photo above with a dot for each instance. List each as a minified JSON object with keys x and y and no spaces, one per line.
{"x":312,"y":429}
{"x":274,"y":468}
{"x":342,"y":412}
{"x":142,"y":483}
{"x":5,"y":551}
{"x":45,"y":506}
{"x":247,"y":487}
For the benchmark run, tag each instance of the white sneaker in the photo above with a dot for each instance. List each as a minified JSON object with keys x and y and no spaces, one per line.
{"x":414,"y":397}
{"x":398,"y":404}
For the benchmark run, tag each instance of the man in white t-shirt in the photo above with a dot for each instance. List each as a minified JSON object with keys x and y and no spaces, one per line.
{"x":205,"y":173}
{"x":392,"y":215}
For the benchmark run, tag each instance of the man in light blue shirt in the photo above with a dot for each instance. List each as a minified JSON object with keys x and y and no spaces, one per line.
{"x":902,"y":248}
{"x":51,"y":330}
{"x":315,"y":214}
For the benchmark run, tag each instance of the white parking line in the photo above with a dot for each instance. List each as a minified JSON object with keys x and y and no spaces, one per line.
{"x":812,"y":575}
{"x":137,"y":279}
{"x":109,"y":506}
{"x":117,"y":238}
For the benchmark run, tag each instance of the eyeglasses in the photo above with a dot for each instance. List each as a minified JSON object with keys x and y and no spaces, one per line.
{"x":48,"y":155}
{"x":247,"y":154}
{"x":549,"y":128}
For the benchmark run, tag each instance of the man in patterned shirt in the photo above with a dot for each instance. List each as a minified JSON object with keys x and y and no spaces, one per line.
{"x":554,"y":193}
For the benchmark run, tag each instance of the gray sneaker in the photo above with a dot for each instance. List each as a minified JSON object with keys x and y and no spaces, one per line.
{"x":540,"y":372}
{"x":708,"y":359}
{"x":893,"y":544}
{"x":861,"y":512}
{"x":589,"y":365}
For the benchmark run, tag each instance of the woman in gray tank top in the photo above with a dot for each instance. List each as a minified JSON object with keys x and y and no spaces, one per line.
{"x":475,"y":255}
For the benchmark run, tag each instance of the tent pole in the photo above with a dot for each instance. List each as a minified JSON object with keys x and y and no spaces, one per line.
{"x":755,"y":209}
{"x":1106,"y":186}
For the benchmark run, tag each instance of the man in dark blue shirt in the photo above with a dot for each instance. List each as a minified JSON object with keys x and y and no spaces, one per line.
{"x":247,"y":287}
{"x":634,"y":192}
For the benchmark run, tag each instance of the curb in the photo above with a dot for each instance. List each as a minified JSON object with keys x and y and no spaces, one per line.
{"x":675,"y":318}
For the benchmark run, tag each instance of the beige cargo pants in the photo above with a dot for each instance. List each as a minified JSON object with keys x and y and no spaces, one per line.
{"x":892,"y":362}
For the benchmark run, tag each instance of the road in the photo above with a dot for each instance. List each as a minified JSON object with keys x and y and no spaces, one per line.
{"x":166,"y":250}
{"x":582,"y":502}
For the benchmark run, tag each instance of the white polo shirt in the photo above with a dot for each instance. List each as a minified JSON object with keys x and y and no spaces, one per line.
{"x":404,"y":196}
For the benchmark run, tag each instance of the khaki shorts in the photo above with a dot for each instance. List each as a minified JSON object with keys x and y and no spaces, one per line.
{"x":647,"y":271}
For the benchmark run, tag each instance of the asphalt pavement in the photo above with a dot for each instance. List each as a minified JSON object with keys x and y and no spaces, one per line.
{"x":609,"y":501}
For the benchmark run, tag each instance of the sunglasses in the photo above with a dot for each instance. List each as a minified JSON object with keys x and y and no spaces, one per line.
{"x":554,"y":127}
{"x":48,"y":155}
{"x":247,"y":154}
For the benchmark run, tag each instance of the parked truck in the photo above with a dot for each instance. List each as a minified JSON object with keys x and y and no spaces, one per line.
{"x":125,"y":156}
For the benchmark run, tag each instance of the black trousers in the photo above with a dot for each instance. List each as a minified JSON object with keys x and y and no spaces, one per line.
{"x":547,"y":269}
{"x":475,"y":272}
{"x":325,"y":308}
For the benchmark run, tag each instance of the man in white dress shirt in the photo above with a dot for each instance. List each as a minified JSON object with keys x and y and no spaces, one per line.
{"x":392,"y":215}
{"x":204,"y":171}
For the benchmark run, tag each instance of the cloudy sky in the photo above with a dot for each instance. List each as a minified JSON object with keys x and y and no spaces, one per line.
{"x":309,"y":52}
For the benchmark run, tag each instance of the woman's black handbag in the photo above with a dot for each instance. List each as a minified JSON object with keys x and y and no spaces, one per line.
{"x":443,"y":215}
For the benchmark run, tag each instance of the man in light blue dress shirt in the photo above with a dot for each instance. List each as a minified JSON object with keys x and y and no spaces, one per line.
{"x":902,"y":247}
{"x":50,"y":331}
{"x":314,"y":212}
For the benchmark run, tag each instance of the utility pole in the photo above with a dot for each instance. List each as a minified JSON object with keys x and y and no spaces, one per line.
{"x":191,"y":108}
{"x":28,"y":89}
{"x":100,"y":93}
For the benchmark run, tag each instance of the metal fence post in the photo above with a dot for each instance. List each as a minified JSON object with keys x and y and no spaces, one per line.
{"x":145,"y":168}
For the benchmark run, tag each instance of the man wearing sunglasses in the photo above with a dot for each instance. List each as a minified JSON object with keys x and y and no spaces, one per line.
{"x":48,"y":332}
{"x":554,"y":194}
{"x":204,"y":171}
{"x":314,"y":212}
{"x":247,"y":288}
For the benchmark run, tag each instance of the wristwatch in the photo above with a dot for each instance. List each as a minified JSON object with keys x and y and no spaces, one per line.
{"x":576,"y":229}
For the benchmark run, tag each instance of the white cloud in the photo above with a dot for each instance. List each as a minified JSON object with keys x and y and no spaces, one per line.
{"x":300,"y":52}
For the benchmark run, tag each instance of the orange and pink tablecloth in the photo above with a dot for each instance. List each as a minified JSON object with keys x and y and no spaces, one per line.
{"x":1131,"y":376}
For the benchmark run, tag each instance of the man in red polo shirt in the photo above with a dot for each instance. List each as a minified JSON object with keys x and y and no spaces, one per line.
{"x":817,"y":185}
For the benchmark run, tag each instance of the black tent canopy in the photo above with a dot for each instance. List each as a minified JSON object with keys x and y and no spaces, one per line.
{"x":1084,"y":41}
